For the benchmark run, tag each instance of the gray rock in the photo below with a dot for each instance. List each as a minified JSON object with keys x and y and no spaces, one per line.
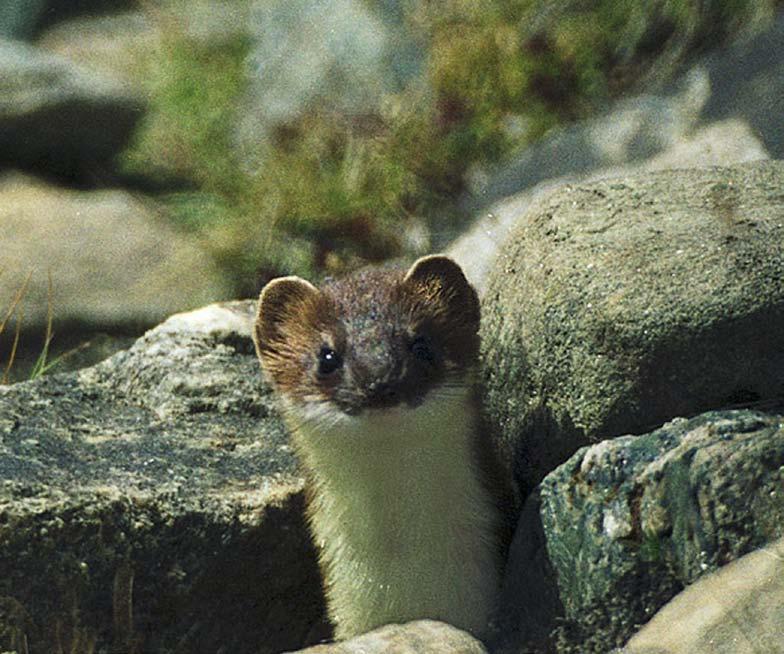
{"x":112,"y":44}
{"x":420,"y":637}
{"x":19,"y":17}
{"x":341,"y":55}
{"x":724,"y":110}
{"x":747,"y":81}
{"x":617,"y":305}
{"x":635,"y":129}
{"x":739,"y":609}
{"x":624,"y":525}
{"x":723,"y":143}
{"x":112,"y":260}
{"x":58,"y":117}
{"x":151,"y":503}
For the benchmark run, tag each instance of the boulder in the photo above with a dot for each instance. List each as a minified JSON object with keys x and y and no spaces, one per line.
{"x":113,"y":262}
{"x":747,"y":82}
{"x":633,"y":130}
{"x":617,"y":305}
{"x":420,"y":637}
{"x":742,"y":81}
{"x":18,"y":18}
{"x":57,"y":117}
{"x":113,"y":44}
{"x":738,"y":609}
{"x":340,"y":55}
{"x":151,"y":503}
{"x":725,"y":142}
{"x":614,"y":533}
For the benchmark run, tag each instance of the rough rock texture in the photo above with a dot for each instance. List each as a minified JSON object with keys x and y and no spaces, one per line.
{"x":420,"y":637}
{"x":112,"y":260}
{"x":723,"y":143}
{"x":57,"y":117}
{"x":737,"y":610}
{"x":619,"y":529}
{"x":151,"y":503}
{"x":620,"y":304}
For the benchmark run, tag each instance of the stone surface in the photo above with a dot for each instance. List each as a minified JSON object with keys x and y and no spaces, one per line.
{"x":420,"y":637}
{"x":742,"y":81}
{"x":739,"y":609}
{"x":620,"y":304}
{"x":114,"y":44}
{"x":151,"y":503}
{"x":112,"y":260}
{"x":747,"y":82}
{"x":722,"y":143}
{"x":57,"y":117}
{"x":19,"y":17}
{"x":635,"y":129}
{"x":339,"y":55}
{"x":619,"y":529}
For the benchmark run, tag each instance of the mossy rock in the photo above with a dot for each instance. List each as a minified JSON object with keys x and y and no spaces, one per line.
{"x":610,"y":536}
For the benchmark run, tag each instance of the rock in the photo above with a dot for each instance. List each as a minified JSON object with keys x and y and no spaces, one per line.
{"x":635,"y":129}
{"x":112,"y":261}
{"x":722,"y":143}
{"x":624,"y":525}
{"x":339,"y":55}
{"x":620,"y":304}
{"x":739,"y":609}
{"x":21,"y":19}
{"x":747,"y":82}
{"x":57,"y":117}
{"x":420,"y":637}
{"x":18,"y":18}
{"x":112,"y":44}
{"x":151,"y":503}
{"x":742,"y":81}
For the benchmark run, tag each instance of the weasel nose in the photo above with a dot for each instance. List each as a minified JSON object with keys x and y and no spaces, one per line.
{"x":382,"y":393}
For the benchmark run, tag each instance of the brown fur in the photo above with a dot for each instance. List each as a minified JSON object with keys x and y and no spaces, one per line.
{"x":370,"y":309}
{"x":371,"y":318}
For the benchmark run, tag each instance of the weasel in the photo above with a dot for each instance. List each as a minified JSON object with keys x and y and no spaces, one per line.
{"x":375,"y":374}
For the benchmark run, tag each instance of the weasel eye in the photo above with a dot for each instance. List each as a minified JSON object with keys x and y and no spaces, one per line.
{"x":328,"y":361}
{"x":420,"y":348}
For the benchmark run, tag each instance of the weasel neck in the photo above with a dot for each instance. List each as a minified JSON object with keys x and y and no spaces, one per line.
{"x":405,"y":525}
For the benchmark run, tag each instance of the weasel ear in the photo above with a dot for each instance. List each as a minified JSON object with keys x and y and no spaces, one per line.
{"x":440,"y":279}
{"x":280,"y":300}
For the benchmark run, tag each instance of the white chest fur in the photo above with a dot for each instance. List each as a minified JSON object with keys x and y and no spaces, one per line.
{"x":405,"y":526}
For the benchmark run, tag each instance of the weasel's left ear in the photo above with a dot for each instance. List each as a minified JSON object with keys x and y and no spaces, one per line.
{"x":442,"y":281}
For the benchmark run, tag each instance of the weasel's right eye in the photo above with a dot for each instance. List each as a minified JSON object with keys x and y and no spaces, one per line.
{"x":328,"y":361}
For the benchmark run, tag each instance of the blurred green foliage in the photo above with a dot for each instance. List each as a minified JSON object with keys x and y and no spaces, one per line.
{"x":332,"y":191}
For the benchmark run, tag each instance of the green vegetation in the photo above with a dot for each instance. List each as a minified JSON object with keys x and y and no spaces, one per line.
{"x":15,"y":312}
{"x":332,"y":191}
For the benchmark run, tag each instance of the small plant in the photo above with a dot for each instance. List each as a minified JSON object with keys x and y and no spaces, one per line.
{"x":43,"y":363}
{"x":16,"y":311}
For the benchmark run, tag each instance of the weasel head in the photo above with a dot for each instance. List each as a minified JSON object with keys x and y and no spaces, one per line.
{"x":375,"y":341}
